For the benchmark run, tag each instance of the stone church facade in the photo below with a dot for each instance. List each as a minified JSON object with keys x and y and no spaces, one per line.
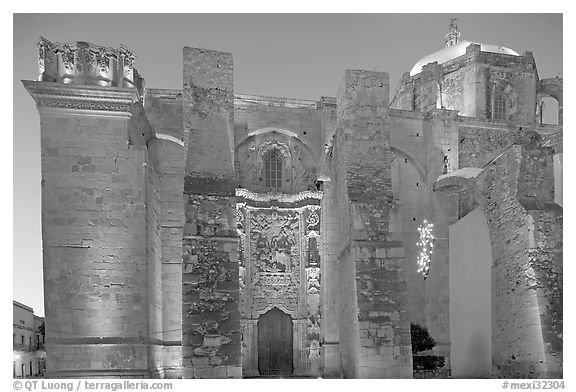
{"x":202,"y":233}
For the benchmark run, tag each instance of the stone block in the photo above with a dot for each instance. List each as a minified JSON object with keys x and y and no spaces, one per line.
{"x":381,"y":253}
{"x":396,"y":252}
{"x":212,"y":341}
{"x":190,"y":229}
{"x":200,"y":362}
{"x":210,"y":372}
{"x":387,"y":351}
{"x":233,"y":371}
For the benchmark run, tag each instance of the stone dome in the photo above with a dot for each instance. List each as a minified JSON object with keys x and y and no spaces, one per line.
{"x":455,"y":51}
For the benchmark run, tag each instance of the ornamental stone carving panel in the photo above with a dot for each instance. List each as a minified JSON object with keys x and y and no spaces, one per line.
{"x":280,"y":267}
{"x":275,"y":243}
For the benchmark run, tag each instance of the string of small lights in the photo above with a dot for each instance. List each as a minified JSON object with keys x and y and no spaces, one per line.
{"x":426,"y":245}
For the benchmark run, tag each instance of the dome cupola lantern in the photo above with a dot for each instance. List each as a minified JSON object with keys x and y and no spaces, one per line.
{"x":453,"y":35}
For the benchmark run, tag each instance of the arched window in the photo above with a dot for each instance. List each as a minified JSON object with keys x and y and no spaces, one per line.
{"x":273,"y":169}
{"x":499,"y":107}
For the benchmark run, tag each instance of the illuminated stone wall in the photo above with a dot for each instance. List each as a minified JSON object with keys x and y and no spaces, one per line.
{"x":99,"y":198}
{"x":374,"y":321}
{"x":469,"y":83}
{"x":164,"y":112}
{"x":280,"y":268}
{"x":155,"y":268}
{"x":516,"y":194}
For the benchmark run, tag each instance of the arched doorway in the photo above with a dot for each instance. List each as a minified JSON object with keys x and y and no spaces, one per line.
{"x":275,"y":344}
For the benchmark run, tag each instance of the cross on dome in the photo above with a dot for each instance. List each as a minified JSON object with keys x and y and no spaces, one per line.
{"x":453,"y":35}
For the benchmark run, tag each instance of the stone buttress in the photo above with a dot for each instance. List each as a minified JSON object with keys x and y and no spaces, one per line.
{"x":374,"y":334}
{"x":210,"y":291}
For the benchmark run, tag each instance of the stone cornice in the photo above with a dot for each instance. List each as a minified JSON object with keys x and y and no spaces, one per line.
{"x":281,"y":197}
{"x":83,"y":99}
{"x":242,"y":100}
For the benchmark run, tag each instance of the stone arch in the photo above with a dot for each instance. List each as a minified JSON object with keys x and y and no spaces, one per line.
{"x":409,"y":159}
{"x":553,"y":88}
{"x":524,"y":229}
{"x":292,"y":313}
{"x":169,"y":138}
{"x":299,"y":163}
{"x":272,"y":129}
{"x":284,"y":133}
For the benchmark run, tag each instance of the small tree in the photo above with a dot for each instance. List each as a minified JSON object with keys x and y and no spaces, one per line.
{"x":42,"y":329}
{"x":421,"y":340}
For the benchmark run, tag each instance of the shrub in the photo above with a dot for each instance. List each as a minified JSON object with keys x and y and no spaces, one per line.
{"x":421,"y":340}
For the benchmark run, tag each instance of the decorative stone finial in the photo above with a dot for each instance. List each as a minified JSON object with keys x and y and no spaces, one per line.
{"x":453,"y":35}
{"x":87,"y":64}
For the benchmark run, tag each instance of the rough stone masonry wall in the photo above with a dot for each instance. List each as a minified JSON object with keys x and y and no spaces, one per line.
{"x":536,"y":194}
{"x":427,"y":88}
{"x":210,"y":293}
{"x":520,"y":91}
{"x":373,"y":258}
{"x":525,"y":230}
{"x":94,"y":247}
{"x":478,"y":145}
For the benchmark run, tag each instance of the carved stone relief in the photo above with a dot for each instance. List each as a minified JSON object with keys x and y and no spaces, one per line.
{"x":278,"y":270}
{"x":103,"y":61}
{"x":128,"y":62}
{"x":46,"y":54}
{"x":313,"y":323}
{"x":84,"y":58}
{"x":68,"y":58}
{"x":274,"y":258}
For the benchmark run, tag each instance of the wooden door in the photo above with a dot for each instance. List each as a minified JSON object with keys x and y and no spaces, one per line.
{"x":275,"y":344}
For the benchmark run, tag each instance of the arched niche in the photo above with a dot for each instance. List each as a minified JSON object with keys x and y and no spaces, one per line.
{"x":298,"y":165}
{"x":549,"y":90}
{"x":548,"y":110}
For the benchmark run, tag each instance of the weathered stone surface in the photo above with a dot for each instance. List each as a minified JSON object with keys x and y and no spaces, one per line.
{"x":153,"y":268}
{"x":527,"y":269}
{"x":371,"y":295}
{"x":210,"y":322}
